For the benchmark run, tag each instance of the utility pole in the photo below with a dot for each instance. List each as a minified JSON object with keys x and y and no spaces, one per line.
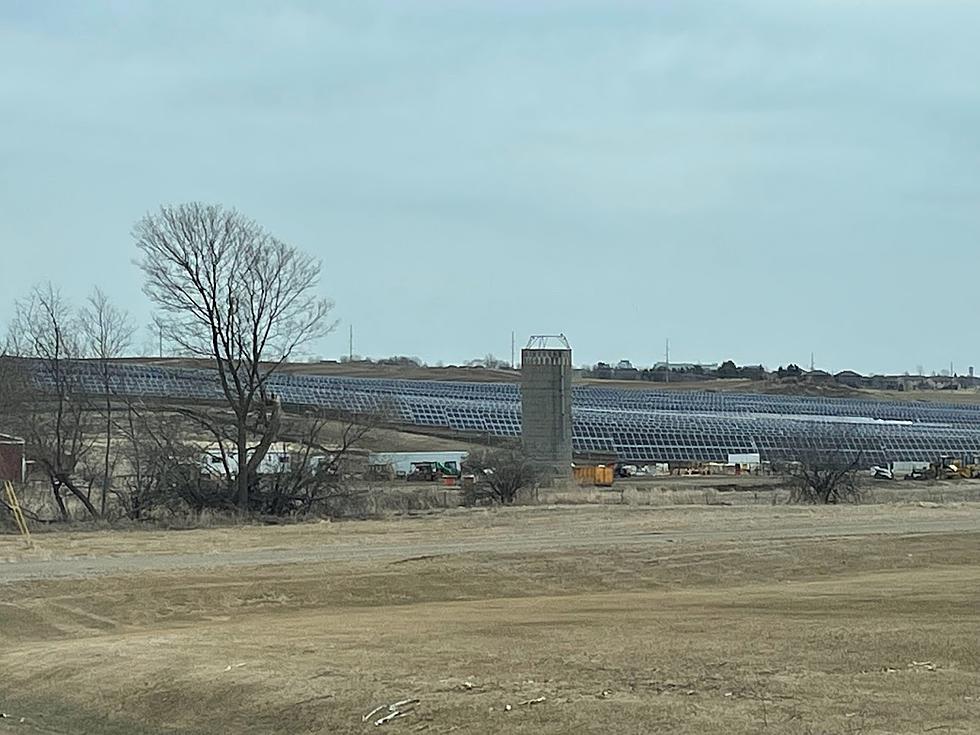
{"x":513,"y":349}
{"x":160,"y":328}
{"x":350,"y":349}
{"x":811,"y":362}
{"x":667,"y":359}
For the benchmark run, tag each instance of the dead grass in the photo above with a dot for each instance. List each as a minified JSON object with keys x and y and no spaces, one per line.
{"x":754,"y":635}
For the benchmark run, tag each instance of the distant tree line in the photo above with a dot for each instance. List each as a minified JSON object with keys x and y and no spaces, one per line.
{"x":488,"y":361}
{"x":790,"y":373}
{"x":661,"y":373}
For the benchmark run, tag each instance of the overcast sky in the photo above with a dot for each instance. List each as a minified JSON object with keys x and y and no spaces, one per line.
{"x":754,"y":180}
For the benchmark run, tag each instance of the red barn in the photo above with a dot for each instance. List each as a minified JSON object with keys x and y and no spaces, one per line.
{"x":12,"y":460}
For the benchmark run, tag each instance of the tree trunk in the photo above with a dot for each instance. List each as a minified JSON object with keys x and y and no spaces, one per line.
{"x":242,"y":471}
{"x":80,"y":495}
{"x":108,"y":441}
{"x":56,"y":491}
{"x":269,"y":436}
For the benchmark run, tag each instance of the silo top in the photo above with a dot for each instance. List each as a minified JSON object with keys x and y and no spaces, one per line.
{"x":546,"y":357}
{"x":548,"y":342}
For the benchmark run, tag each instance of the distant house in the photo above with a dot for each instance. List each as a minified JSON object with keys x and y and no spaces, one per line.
{"x":791,"y":372}
{"x":630,"y":373}
{"x":13,"y":461}
{"x":886,"y":382}
{"x":602,"y":370}
{"x":819,"y":377}
{"x":752,"y":372}
{"x":850,"y":379}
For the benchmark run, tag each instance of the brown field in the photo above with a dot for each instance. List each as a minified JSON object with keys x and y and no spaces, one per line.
{"x":624,"y":618}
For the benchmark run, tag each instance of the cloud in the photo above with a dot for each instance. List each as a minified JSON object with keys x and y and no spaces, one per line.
{"x":665,"y":144}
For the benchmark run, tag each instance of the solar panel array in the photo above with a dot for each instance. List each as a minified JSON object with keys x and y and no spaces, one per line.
{"x":636,"y":425}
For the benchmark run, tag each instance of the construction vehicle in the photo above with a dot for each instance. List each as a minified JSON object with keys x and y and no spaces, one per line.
{"x":432,"y":471}
{"x":947,"y":467}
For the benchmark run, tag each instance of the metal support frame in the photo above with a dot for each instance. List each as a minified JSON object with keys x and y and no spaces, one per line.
{"x":544,"y":342}
{"x":14,"y":505}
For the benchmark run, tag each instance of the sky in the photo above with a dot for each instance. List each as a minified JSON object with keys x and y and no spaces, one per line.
{"x":755,"y":180}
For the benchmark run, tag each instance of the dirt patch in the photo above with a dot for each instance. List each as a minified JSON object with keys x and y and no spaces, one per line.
{"x":712,"y":620}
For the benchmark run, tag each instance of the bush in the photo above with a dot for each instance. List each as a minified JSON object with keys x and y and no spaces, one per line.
{"x":825,"y":477}
{"x":501,"y":473}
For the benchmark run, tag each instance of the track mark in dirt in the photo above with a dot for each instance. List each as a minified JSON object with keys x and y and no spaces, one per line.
{"x":423,"y":557}
{"x":102,"y":623}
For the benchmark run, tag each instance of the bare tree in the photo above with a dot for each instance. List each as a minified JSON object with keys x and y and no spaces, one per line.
{"x":108,"y":333}
{"x":824,"y":476}
{"x":55,"y":417}
{"x":501,"y":472}
{"x":230,"y":292}
{"x":321,"y":465}
{"x":162,"y":467}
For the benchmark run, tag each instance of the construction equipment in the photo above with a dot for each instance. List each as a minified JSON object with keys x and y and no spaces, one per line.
{"x":15,"y":509}
{"x":381,"y":472}
{"x":432,"y":471}
{"x":598,"y":475}
{"x":947,"y":467}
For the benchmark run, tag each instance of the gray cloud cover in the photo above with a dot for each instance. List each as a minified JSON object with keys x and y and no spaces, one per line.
{"x":755,"y":180}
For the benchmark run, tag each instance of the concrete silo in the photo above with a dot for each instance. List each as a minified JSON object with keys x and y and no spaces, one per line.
{"x":546,"y":403}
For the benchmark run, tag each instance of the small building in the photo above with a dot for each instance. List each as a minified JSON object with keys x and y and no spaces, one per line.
{"x":752,"y":372}
{"x":819,"y":377}
{"x":850,"y":378}
{"x":602,"y":371}
{"x":624,"y":370}
{"x":885,"y":382}
{"x":13,"y":459}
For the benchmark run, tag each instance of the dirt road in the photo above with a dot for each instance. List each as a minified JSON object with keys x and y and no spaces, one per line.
{"x":586,"y":529}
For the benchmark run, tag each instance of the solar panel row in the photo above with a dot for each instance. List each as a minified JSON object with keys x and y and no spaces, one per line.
{"x":638,"y":425}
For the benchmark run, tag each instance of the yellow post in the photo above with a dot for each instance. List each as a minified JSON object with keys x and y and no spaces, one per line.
{"x":18,"y":513}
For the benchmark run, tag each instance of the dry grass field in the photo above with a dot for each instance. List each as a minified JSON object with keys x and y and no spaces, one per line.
{"x":586,"y":619}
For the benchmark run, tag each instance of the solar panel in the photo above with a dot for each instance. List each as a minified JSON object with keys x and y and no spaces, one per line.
{"x":638,"y":425}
